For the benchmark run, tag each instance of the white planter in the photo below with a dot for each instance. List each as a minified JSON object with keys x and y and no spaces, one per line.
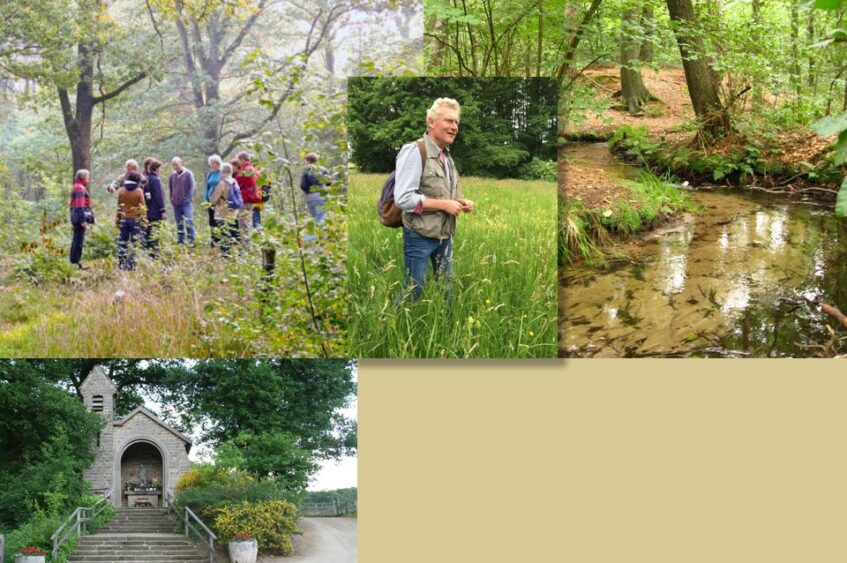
{"x":30,"y":558}
{"x":241,"y":551}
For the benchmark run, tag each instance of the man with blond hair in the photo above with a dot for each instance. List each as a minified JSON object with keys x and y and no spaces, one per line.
{"x":427,"y":190}
{"x":130,"y":167}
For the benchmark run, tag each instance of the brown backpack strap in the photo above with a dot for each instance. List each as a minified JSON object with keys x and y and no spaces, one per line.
{"x":422,"y":150}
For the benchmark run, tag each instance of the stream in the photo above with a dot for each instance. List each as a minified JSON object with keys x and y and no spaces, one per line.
{"x":732,"y":281}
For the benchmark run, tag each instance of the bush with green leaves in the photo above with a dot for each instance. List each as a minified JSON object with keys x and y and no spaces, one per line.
{"x":539,"y":169}
{"x":270,"y":522}
{"x":208,"y":488}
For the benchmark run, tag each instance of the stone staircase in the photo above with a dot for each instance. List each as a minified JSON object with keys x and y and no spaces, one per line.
{"x":139,"y":535}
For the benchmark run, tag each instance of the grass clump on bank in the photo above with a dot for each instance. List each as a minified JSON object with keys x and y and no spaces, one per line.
{"x":584,"y":232}
{"x":755,"y":153}
{"x":504,"y":278}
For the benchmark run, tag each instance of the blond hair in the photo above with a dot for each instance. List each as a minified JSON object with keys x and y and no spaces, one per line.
{"x":435,"y":110}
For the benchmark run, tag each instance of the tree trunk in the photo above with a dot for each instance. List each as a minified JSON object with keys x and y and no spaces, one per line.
{"x":437,"y":48}
{"x":756,"y":37}
{"x":810,"y":39}
{"x":540,"y":36}
{"x":701,"y":81}
{"x":795,"y":51}
{"x":648,"y":26}
{"x":633,"y":92}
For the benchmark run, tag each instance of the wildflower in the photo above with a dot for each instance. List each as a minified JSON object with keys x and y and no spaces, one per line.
{"x":488,"y":301}
{"x":531,"y":333}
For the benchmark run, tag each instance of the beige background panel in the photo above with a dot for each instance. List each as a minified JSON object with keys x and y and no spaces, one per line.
{"x":603,"y":460}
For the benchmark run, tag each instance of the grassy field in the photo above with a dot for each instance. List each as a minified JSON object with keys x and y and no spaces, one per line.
{"x":505,"y":297}
{"x":189,"y":303}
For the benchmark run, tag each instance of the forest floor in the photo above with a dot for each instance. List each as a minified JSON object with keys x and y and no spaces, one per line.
{"x":669,"y":124}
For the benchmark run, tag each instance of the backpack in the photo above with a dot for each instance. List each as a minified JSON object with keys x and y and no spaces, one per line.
{"x":389,"y":214}
{"x":234,"y":198}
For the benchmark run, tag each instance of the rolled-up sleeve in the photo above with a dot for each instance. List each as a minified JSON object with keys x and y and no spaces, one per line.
{"x":407,"y":180}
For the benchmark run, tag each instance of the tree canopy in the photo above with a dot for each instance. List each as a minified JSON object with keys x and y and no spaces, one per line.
{"x":505,"y":122}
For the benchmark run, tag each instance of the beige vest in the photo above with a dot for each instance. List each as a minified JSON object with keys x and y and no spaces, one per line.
{"x":435,"y":224}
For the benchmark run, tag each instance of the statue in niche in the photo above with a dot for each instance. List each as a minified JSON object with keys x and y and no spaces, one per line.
{"x":142,"y":475}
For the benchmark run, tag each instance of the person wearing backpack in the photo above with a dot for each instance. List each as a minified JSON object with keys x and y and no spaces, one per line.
{"x":213,"y":176}
{"x":427,"y":191}
{"x":226,"y":202}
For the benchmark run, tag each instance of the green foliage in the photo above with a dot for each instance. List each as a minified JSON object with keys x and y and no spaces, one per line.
{"x":271,"y":522}
{"x":841,"y":200}
{"x":537,"y":169}
{"x":279,"y":415}
{"x":494,"y":139}
{"x":349,"y":495}
{"x":36,"y":532}
{"x":212,"y":487}
{"x":44,"y":448}
{"x":233,"y":501}
{"x":504,"y":286}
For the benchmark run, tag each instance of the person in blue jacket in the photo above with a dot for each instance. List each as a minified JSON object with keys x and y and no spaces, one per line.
{"x":154,"y":198}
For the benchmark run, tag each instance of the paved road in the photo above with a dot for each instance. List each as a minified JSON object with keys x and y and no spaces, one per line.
{"x":324,"y":540}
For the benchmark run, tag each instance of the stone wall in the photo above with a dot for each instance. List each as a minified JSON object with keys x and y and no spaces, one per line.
{"x":140,"y":427}
{"x":99,"y":474}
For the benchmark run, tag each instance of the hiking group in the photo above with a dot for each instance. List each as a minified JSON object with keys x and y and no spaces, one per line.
{"x":233,"y":196}
{"x":423,"y":196}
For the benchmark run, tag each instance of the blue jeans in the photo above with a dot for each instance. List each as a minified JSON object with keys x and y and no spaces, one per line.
{"x":317,"y":207}
{"x":257,"y":218}
{"x":419,"y":251}
{"x":130,"y":233}
{"x":184,"y":215}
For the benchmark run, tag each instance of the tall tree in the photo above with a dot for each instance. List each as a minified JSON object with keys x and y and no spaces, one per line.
{"x":211,"y":36}
{"x":68,"y":50}
{"x":702,"y":82}
{"x":633,"y":92}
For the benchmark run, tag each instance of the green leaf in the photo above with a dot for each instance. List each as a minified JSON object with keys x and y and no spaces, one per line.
{"x":831,"y":124}
{"x":841,"y":200}
{"x":841,"y":149}
{"x":828,"y":4}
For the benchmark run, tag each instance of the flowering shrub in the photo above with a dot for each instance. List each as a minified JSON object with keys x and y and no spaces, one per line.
{"x":30,"y":551}
{"x":242,"y":536}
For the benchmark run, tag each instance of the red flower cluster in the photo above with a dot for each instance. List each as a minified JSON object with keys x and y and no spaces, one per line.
{"x":31,"y":551}
{"x":242,"y":536}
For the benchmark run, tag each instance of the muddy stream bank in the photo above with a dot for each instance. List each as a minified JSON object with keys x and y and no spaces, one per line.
{"x":732,"y":281}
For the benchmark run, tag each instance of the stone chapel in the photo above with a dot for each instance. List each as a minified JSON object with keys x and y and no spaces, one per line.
{"x":138,"y":451}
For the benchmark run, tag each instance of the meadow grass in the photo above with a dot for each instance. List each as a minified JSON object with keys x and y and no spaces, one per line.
{"x":505,"y":297}
{"x":188,"y":303}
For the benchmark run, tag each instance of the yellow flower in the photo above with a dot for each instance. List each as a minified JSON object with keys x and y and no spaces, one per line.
{"x":531,"y":333}
{"x":488,"y":301}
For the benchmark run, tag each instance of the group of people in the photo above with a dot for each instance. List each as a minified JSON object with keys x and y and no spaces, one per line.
{"x":233,"y":194}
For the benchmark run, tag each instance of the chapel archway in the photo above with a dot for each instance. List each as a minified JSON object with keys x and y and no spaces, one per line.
{"x":142,"y":476}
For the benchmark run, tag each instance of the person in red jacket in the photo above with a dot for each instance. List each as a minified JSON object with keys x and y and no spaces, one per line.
{"x":81,"y":215}
{"x":247,"y":181}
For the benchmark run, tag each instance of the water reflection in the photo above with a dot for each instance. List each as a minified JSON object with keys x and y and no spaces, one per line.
{"x":730,"y":282}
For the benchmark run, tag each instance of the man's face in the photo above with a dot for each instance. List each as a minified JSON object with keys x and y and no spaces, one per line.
{"x":444,"y":128}
{"x":177,"y":166}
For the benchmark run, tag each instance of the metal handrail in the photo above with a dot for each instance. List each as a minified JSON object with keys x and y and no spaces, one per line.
{"x":78,"y":520}
{"x":210,"y":543}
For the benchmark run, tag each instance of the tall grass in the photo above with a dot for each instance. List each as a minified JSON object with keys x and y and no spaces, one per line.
{"x":188,"y":303}
{"x":505,"y":293}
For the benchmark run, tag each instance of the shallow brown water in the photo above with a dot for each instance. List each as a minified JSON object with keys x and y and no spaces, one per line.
{"x":732,"y":281}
